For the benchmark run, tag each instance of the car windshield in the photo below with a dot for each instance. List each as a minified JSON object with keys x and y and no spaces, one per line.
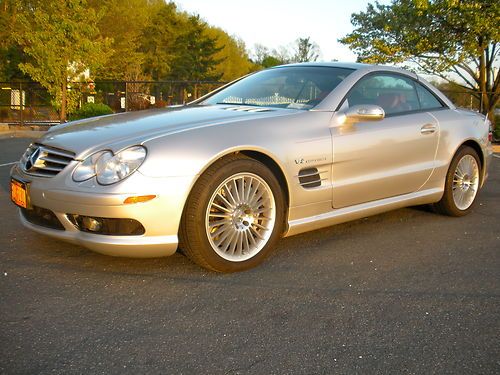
{"x":286,"y":87}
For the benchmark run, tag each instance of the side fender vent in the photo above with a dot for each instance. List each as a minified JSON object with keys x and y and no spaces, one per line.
{"x":309,"y":178}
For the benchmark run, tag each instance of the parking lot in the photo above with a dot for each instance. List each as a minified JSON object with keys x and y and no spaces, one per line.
{"x":406,"y":292}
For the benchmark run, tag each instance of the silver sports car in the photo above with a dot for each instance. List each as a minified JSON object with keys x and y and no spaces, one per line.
{"x":276,"y":153}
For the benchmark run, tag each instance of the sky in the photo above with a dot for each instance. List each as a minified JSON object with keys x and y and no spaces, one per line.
{"x":275,"y":23}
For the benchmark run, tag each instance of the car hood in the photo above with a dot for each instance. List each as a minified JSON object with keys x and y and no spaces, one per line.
{"x":89,"y":135}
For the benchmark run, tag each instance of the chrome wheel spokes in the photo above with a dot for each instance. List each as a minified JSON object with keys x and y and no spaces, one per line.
{"x":465,"y":182}
{"x":240,"y":217}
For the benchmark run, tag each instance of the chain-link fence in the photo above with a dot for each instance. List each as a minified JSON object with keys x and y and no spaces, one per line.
{"x":27,"y":103}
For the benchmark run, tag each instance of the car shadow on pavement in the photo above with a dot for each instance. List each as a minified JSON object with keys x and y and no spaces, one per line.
{"x":290,"y":251}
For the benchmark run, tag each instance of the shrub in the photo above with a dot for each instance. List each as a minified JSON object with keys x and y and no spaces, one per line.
{"x":161,"y":104}
{"x":91,"y":110}
{"x":4,"y":114}
{"x":137,"y":102}
{"x":496,"y":133}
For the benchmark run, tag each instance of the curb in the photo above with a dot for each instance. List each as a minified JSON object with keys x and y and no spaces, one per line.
{"x":17,"y":131}
{"x":34,"y":134}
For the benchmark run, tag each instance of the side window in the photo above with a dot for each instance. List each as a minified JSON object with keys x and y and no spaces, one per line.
{"x":394,"y":93}
{"x":427,"y":99}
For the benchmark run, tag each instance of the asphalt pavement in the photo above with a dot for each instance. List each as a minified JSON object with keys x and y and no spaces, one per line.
{"x":406,"y":292}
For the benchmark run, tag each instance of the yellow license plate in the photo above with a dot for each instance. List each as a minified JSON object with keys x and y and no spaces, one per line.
{"x":18,"y":193}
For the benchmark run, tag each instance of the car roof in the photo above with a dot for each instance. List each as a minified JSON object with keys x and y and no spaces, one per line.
{"x":345,"y":65}
{"x":351,"y":65}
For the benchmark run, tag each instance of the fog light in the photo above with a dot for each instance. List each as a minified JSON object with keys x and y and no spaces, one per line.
{"x":91,"y":224}
{"x":107,"y":225}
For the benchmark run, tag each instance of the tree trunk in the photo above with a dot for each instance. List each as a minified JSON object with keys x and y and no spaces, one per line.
{"x":485,"y":103}
{"x":64,"y":88}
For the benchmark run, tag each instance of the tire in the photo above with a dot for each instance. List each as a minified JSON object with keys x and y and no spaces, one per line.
{"x":227,"y":228}
{"x":462,"y":183}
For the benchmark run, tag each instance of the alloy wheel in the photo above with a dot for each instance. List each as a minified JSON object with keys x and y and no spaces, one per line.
{"x":465,"y":182}
{"x":240,"y":217}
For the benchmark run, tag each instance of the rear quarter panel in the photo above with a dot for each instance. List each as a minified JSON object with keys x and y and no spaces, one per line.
{"x":458,"y":126}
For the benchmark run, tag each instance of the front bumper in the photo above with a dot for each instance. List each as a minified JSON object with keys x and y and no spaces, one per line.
{"x":160,"y":216}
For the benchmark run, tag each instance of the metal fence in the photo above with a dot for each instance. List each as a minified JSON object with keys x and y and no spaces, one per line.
{"x":27,"y":103}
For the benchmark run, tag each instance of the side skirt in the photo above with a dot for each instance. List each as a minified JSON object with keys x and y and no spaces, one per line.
{"x":345,"y":214}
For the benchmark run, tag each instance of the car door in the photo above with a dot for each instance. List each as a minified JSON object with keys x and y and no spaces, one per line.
{"x":385,"y":158}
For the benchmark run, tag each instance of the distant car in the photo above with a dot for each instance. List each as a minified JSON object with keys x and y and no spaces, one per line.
{"x":279,"y":152}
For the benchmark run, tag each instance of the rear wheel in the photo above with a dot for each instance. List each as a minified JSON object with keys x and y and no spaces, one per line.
{"x":462,"y":183}
{"x":234,"y":215}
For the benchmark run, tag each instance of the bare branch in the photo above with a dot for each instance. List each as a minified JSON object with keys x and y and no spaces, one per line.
{"x":469,"y":71}
{"x":491,"y":57}
{"x":471,"y":85}
{"x":475,"y":61}
{"x":426,"y":70}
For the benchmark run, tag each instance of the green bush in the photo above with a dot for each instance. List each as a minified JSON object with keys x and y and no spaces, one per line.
{"x":91,"y":110}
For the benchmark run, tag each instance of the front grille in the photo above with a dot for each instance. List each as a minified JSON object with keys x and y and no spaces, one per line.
{"x":42,"y":217}
{"x":45,"y":161}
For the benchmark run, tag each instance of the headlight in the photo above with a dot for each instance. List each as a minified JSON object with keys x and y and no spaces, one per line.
{"x":86,"y":169}
{"x":109,"y":168}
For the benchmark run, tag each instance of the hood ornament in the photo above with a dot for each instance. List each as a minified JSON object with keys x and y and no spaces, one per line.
{"x":33,"y":160}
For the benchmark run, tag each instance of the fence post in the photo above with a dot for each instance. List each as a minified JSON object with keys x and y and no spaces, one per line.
{"x":126,"y":96}
{"x":21,"y":104}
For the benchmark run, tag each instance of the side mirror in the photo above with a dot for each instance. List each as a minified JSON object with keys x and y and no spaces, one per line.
{"x":364,"y":112}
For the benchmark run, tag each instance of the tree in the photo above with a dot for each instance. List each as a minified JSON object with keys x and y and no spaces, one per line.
{"x":196,"y":51}
{"x":233,"y":57}
{"x":260,"y":52}
{"x":306,"y":50}
{"x":439,"y":37}
{"x":265,"y":58}
{"x":11,"y":54}
{"x":61,"y":38}
{"x":123,"y":24}
{"x":282,"y":54}
{"x":159,"y":40}
{"x":269,"y":61}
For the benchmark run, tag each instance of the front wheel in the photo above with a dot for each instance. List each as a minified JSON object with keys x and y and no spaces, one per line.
{"x":234,"y":215}
{"x":462,"y":183}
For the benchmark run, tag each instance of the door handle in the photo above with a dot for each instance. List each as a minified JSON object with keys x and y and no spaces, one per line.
{"x":428,"y":129}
